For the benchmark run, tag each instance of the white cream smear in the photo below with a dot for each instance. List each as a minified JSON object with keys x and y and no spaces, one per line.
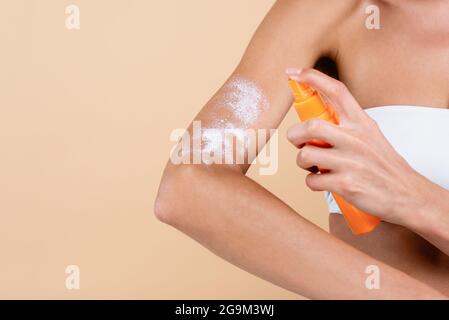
{"x":220,"y":144}
{"x":244,"y":101}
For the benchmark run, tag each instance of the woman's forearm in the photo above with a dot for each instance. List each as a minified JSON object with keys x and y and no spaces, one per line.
{"x":242,"y":222}
{"x":427,"y":213}
{"x":238,"y":219}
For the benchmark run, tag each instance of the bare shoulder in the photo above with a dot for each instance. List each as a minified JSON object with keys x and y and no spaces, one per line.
{"x":300,"y":31}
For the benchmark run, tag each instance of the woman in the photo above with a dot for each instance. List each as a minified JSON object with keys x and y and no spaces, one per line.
{"x":405,"y":62}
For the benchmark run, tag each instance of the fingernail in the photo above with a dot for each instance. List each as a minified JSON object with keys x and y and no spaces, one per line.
{"x":293,"y":72}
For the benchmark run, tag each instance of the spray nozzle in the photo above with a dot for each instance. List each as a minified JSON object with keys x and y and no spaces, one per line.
{"x":301,"y":91}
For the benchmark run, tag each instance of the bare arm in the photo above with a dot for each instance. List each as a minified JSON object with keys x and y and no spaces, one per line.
{"x":244,"y":223}
{"x":427,"y":213}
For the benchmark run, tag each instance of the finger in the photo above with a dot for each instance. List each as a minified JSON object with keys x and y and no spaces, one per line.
{"x":321,"y":182}
{"x":311,"y":156}
{"x":342,"y":100}
{"x":306,"y":131}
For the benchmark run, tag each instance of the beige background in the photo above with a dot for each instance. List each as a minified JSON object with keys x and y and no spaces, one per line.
{"x":85,"y":118}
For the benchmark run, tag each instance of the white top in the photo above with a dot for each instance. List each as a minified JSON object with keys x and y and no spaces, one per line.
{"x":420,"y":135}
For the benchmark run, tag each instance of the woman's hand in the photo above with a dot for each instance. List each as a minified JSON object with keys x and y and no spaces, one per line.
{"x":364,"y":167}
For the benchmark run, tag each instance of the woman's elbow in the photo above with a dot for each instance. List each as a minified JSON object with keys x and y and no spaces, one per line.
{"x":162,"y":208}
{"x":174,"y":186}
{"x":185,"y":195}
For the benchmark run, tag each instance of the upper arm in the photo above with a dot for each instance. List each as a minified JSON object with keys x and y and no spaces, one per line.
{"x":295,"y":33}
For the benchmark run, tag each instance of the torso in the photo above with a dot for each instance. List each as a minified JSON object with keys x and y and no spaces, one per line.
{"x":406,"y":62}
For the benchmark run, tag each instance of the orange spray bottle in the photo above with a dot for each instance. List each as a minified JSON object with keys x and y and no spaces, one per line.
{"x":309,"y":104}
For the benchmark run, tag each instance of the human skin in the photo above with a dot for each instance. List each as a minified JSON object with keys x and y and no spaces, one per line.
{"x":405,"y":62}
{"x":247,"y":225}
{"x":364,"y":167}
